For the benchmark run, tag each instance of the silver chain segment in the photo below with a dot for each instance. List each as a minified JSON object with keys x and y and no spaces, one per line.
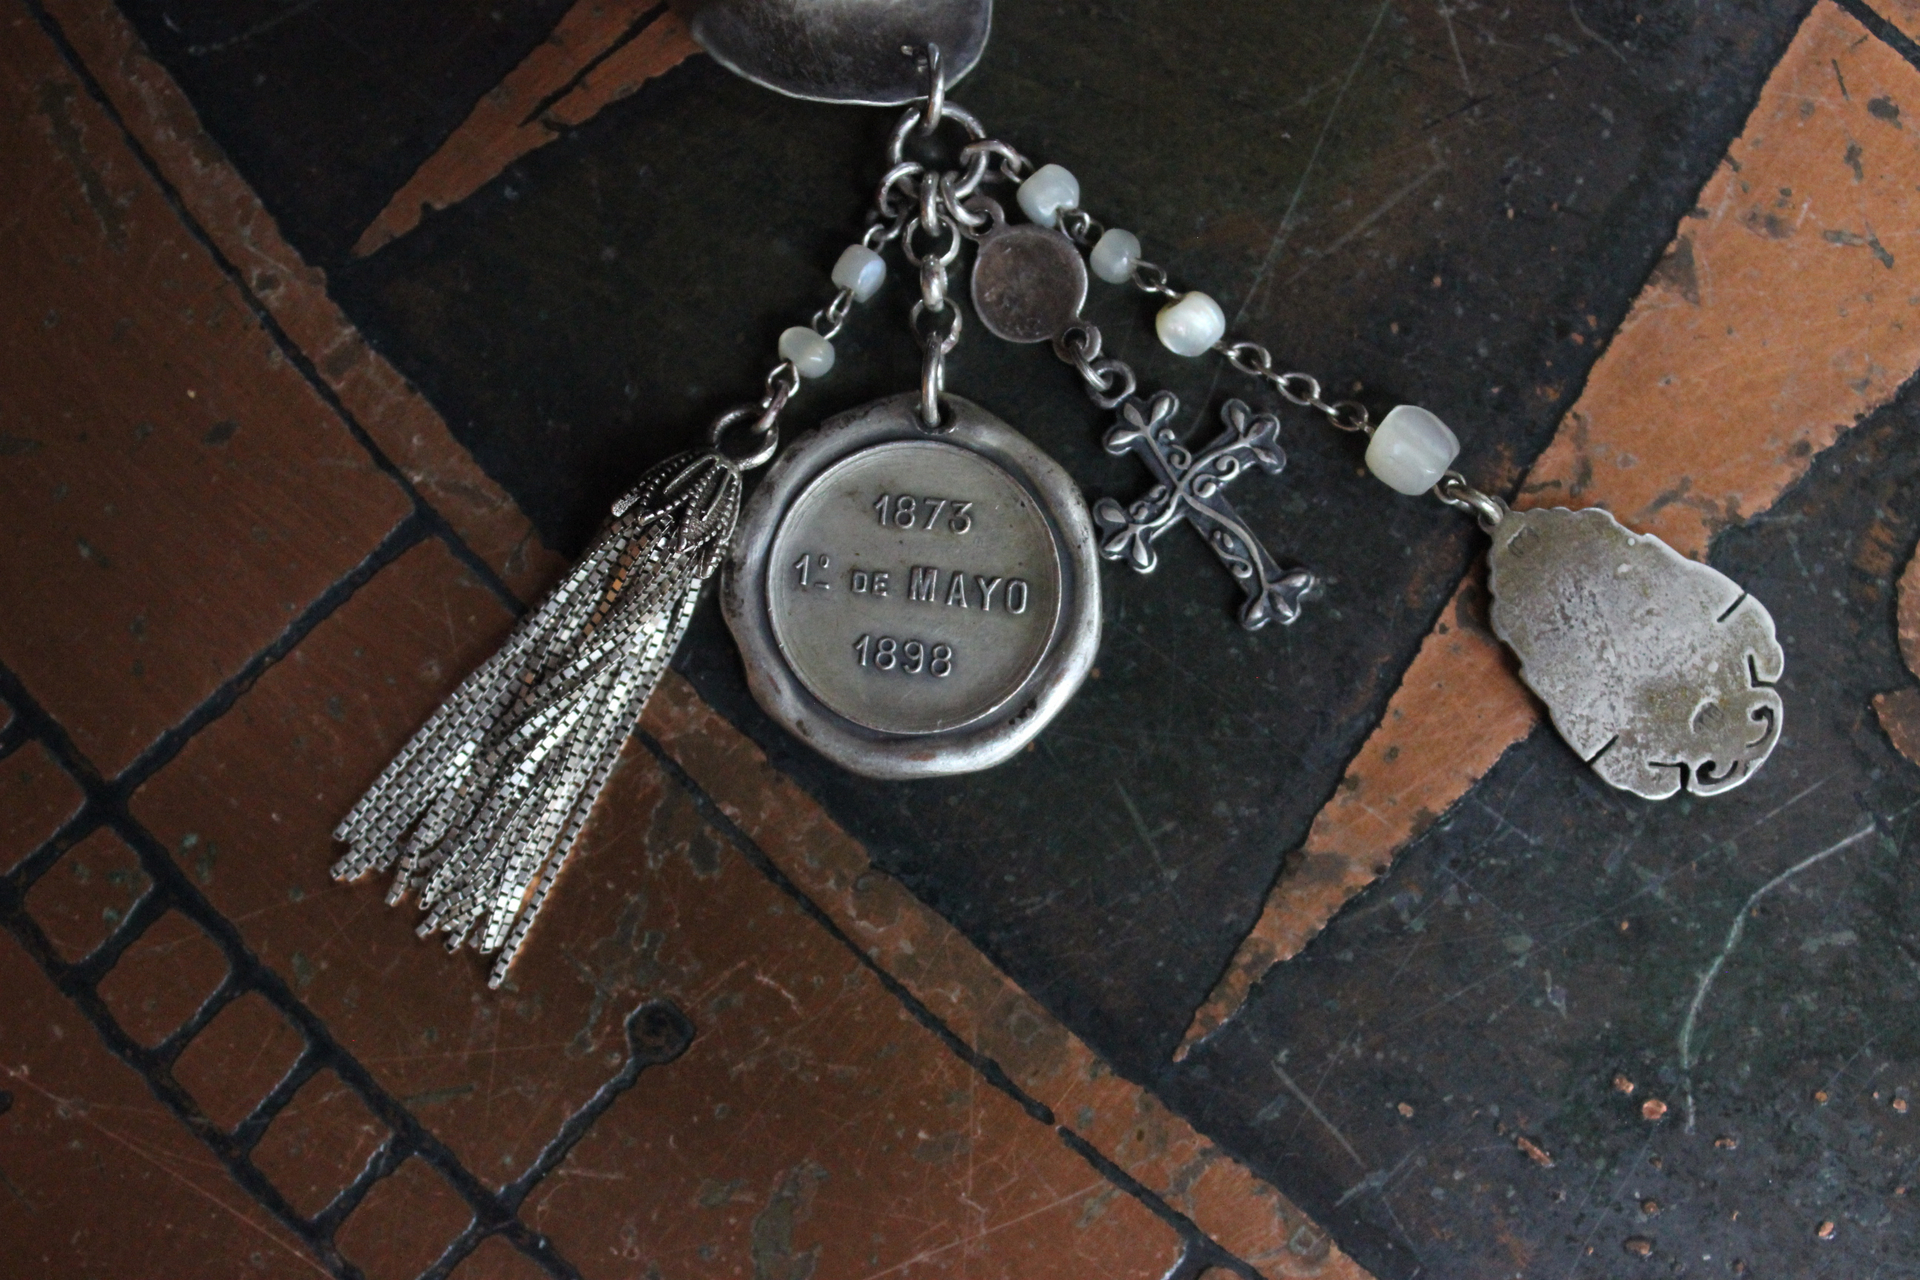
{"x":761,"y":440}
{"x":931,"y":215}
{"x":1110,"y":381}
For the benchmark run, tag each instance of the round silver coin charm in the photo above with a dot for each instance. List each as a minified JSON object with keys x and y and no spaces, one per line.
{"x":1029,"y":282}
{"x":914,"y":604}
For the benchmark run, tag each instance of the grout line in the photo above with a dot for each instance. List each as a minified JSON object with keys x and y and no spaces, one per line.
{"x":385,"y":1160}
{"x":1199,"y":1245}
{"x":1899,"y":41}
{"x":296,"y":356}
{"x":246,"y":1135}
{"x":402,"y":538}
{"x":84,"y":822}
{"x":173,"y":890}
{"x":1202,"y":1252}
{"x":175,"y":1042}
{"x":656,"y":1033}
{"x":716,"y":817}
{"x":92,"y":968}
{"x":620,"y":42}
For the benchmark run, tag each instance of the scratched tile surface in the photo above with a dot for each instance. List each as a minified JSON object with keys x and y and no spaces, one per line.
{"x":1556,"y":1032}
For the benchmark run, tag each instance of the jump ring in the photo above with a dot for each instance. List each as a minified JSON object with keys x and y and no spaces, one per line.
{"x":761,"y":453}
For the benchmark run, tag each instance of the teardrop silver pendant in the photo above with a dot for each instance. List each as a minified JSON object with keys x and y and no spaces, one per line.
{"x":1657,"y":669}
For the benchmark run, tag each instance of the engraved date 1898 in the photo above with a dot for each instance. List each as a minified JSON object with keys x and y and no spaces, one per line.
{"x":909,"y":657}
{"x":903,"y":511}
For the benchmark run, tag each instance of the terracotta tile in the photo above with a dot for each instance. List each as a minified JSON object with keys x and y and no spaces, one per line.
{"x":238,"y":1058}
{"x":813,"y":1127}
{"x":1457,"y":710}
{"x":36,"y":796}
{"x":407,"y":428}
{"x":1899,"y":716}
{"x":102,"y":1182}
{"x":405,"y":1223}
{"x":984,"y":1007}
{"x":318,"y":1143}
{"x":161,"y":979}
{"x":799,"y":1043}
{"x":583,"y":61}
{"x":1777,"y":319}
{"x":1898,"y":710}
{"x":248,"y":806}
{"x":1907,"y":619}
{"x":495,"y":1259}
{"x":180,"y":492}
{"x":86,"y":894}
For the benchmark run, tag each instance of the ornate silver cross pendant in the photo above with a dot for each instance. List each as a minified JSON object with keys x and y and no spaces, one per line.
{"x":1192,"y":488}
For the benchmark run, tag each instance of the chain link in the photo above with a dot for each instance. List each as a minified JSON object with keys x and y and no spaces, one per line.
{"x":1110,"y":381}
{"x":1081,"y":227}
{"x":936,"y":104}
{"x":827,"y":320}
{"x":931,"y":215}
{"x":1454,"y":490}
{"x":1149,"y":277}
{"x":1012,"y":167}
{"x":926,"y":211}
{"x":1298,"y":388}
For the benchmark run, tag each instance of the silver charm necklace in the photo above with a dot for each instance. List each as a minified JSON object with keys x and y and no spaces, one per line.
{"x":914,"y":585}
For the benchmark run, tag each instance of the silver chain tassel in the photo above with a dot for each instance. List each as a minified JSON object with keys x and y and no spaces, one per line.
{"x":477,"y":813}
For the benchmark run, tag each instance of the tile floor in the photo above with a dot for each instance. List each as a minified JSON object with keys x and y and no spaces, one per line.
{"x":243,"y":559}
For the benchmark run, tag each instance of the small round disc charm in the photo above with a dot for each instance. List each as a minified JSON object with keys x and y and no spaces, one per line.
{"x":1029,"y":282}
{"x":913,"y":604}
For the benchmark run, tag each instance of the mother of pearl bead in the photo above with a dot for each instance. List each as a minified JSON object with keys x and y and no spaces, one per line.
{"x":1190,"y":324}
{"x":1411,"y":449}
{"x":1047,"y":193}
{"x":1113,"y":258}
{"x":860,"y":271}
{"x":812,"y":355}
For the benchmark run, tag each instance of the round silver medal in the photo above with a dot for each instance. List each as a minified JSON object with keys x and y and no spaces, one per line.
{"x":913,"y":604}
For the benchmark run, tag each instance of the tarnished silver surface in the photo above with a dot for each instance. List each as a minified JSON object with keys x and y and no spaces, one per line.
{"x":1658,"y":670}
{"x":1029,"y":282}
{"x":937,"y":599}
{"x":1192,"y":487}
{"x":840,"y":50}
{"x":913,"y":604}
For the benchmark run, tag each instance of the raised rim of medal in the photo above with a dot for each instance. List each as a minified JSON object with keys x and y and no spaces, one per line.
{"x":1067,"y":658}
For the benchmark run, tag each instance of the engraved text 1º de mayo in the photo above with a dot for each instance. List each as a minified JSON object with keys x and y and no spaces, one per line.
{"x":925,"y":584}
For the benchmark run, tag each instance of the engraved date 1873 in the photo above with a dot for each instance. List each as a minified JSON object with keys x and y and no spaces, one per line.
{"x":904,"y":511}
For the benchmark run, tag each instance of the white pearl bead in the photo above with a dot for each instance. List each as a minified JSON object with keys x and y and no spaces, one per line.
{"x":1411,"y":449}
{"x":1049,"y":190}
{"x":1190,"y":325}
{"x":861,"y":270}
{"x":812,"y":355}
{"x":1114,"y":256}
